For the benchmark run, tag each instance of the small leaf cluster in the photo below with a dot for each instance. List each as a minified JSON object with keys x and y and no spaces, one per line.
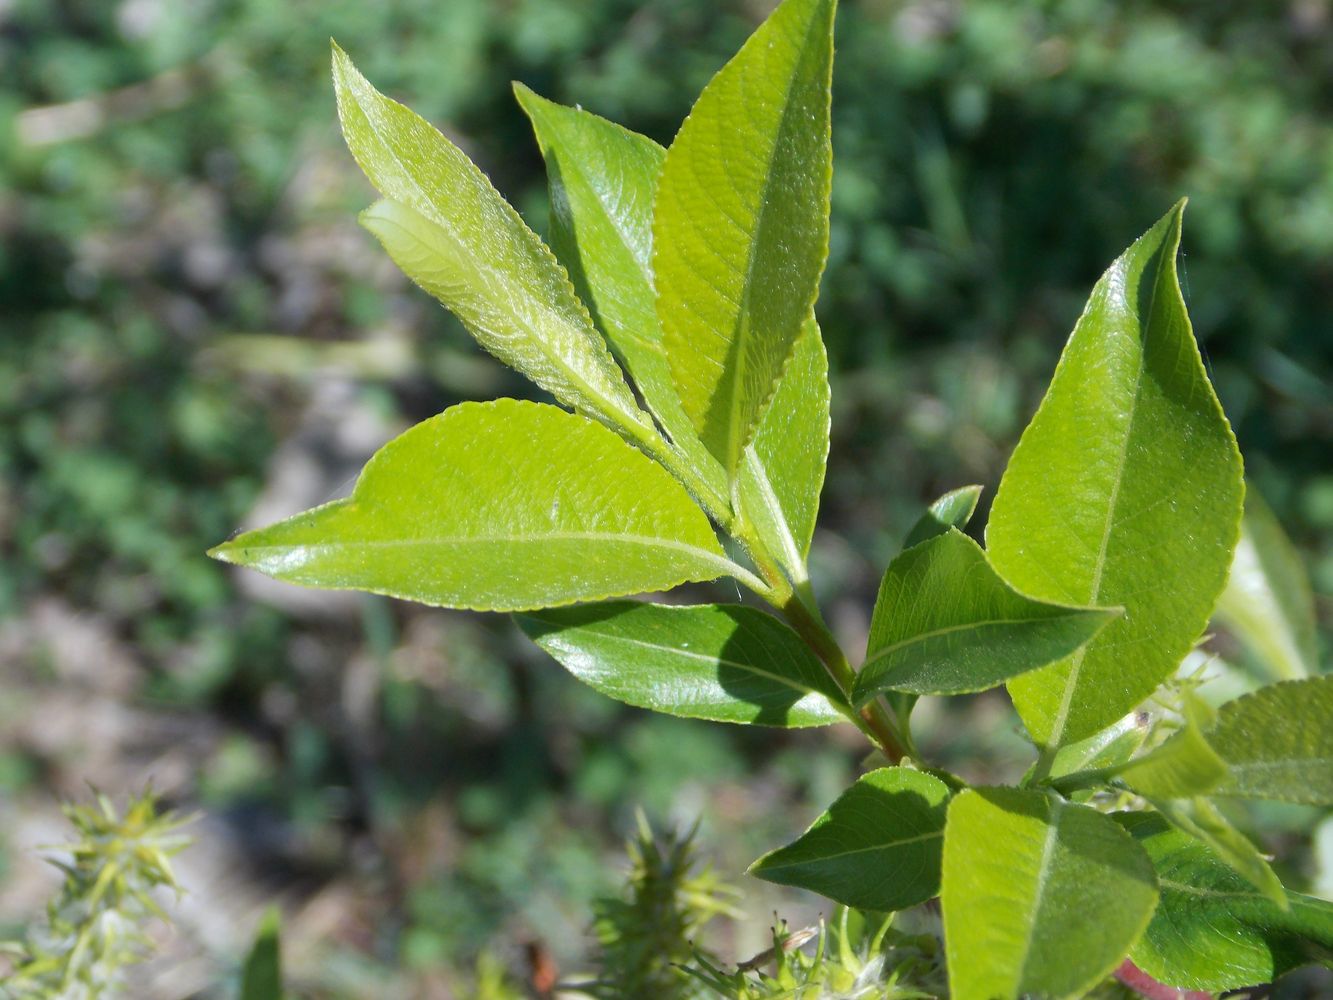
{"x":95,"y":927}
{"x":672,"y":320}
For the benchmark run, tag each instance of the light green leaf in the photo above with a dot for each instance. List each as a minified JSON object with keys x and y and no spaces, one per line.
{"x":1124,"y":490}
{"x":876,"y":848}
{"x":953,"y":510}
{"x":499,"y":506}
{"x":1040,"y":896}
{"x":945,"y":623}
{"x":722,"y":662}
{"x":603,"y":179}
{"x":1211,"y":930}
{"x":1110,"y":747}
{"x":781,"y":476}
{"x":1183,"y":766}
{"x":261,"y":977}
{"x":741,"y":224}
{"x":452,"y":233}
{"x":1199,"y":818}
{"x":1267,"y":602}
{"x":1278,"y":742}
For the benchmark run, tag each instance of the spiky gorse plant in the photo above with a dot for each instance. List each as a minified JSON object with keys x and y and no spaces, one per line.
{"x":1111,"y":537}
{"x":96,"y":927}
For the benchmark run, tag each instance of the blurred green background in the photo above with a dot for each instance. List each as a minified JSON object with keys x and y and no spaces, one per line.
{"x":195,"y":336}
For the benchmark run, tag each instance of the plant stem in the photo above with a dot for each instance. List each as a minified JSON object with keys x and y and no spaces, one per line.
{"x":1084,"y":779}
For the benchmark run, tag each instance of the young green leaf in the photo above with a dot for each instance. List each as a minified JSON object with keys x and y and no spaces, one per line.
{"x":1124,"y":490}
{"x":1278,"y":742}
{"x":452,"y":233}
{"x":1040,"y":896}
{"x":953,"y":510}
{"x":261,"y":977}
{"x":741,"y":224}
{"x":1211,"y":930}
{"x":722,"y":662}
{"x":945,"y":623}
{"x":603,"y":179}
{"x":1110,"y":747}
{"x":781,"y":476}
{"x":1199,"y":818}
{"x":498,"y":506}
{"x":1267,"y":601}
{"x":1184,"y":766}
{"x":877,"y":847}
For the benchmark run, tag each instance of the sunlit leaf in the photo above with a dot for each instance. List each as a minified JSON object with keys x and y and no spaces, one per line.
{"x":741,"y":224}
{"x":1125,"y":490}
{"x":448,"y":228}
{"x":497,"y":506}
{"x":1278,"y":742}
{"x":953,"y":510}
{"x":1041,"y":897}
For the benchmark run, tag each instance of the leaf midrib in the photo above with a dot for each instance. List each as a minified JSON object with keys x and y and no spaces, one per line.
{"x":1099,"y":567}
{"x":703,"y":657}
{"x":884,"y":651}
{"x":737,"y":436}
{"x":883,"y":846}
{"x":1043,"y":876}
{"x":614,"y":412}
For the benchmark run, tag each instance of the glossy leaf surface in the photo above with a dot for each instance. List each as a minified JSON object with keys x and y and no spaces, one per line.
{"x":722,"y":662}
{"x":782,"y":473}
{"x":945,"y":623}
{"x":953,"y":510}
{"x":603,"y":179}
{"x":1212,"y":930}
{"x":452,"y":233}
{"x":1110,"y":747}
{"x":1278,"y":742}
{"x":877,"y":847}
{"x":1040,"y":897}
{"x":1199,"y":818}
{"x":497,"y":506}
{"x":741,"y":224}
{"x":1124,"y":490}
{"x":1267,"y":601}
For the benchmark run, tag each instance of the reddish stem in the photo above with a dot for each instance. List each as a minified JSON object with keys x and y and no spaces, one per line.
{"x":1150,"y":989}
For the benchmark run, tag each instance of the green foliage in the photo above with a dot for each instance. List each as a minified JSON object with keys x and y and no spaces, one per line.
{"x":754,"y":154}
{"x":946,"y":623}
{"x":572,"y":513}
{"x":1125,"y":490}
{"x":715,"y":661}
{"x":95,"y":928}
{"x":644,"y":937}
{"x":1111,"y":537}
{"x":876,"y":848}
{"x":261,"y":976}
{"x":1277,"y":743}
{"x":1267,"y":600}
{"x":1211,"y":930}
{"x":1071,"y":896}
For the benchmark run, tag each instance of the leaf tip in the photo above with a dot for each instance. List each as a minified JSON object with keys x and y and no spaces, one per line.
{"x":225,"y":553}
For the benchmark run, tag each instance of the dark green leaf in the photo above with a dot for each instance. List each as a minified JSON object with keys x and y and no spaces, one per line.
{"x":261,"y":978}
{"x":945,"y":623}
{"x":721,"y":662}
{"x":876,"y":848}
{"x":1211,"y":930}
